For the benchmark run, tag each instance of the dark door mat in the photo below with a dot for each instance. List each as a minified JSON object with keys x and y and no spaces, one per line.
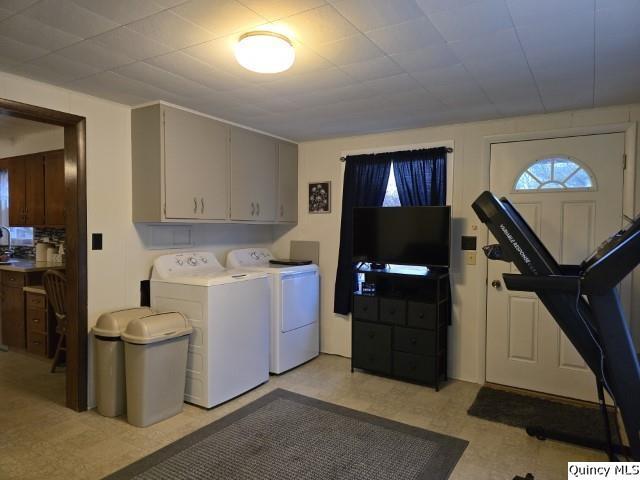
{"x":525,"y":411}
{"x":286,"y":436}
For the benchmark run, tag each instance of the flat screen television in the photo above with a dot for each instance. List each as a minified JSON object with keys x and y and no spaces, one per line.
{"x":402,"y":235}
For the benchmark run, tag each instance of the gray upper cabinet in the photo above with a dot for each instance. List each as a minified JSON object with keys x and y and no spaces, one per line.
{"x":253,"y":176}
{"x":287,"y":208}
{"x":180,"y":166}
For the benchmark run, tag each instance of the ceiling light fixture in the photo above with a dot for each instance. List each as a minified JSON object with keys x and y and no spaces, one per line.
{"x":265,"y":52}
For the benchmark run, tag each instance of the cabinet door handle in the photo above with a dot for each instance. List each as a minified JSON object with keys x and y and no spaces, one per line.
{"x":392,"y":311}
{"x":258,"y":209}
{"x":372,"y":335}
{"x":421,"y":316}
{"x":253,"y":209}
{"x":195,"y":205}
{"x":282,"y":210}
{"x":201,"y":204}
{"x":413,"y":341}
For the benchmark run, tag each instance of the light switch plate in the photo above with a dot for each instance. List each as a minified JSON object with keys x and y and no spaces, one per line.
{"x":470,"y":257}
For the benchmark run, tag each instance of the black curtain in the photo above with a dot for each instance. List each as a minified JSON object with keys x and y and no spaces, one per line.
{"x":421,"y":176}
{"x":365,"y":185}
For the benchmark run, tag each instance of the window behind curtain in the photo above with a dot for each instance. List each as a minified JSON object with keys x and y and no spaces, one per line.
{"x":391,"y":198}
{"x":20,"y":236}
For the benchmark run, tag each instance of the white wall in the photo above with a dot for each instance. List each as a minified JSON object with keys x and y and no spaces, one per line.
{"x":319,"y":160}
{"x":50,"y":139}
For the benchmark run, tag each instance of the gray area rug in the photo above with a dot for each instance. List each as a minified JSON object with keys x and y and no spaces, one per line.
{"x":283,"y":436}
{"x":524,"y":410}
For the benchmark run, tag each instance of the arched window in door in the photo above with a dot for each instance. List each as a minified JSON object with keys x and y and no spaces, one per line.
{"x":555,"y":173}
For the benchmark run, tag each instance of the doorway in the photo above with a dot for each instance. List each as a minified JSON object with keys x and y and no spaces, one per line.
{"x":75,"y":225}
{"x":570,"y":191}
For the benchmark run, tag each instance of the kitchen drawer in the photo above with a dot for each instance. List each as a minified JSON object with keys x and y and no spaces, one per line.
{"x":422,"y":315}
{"x":36,"y":320}
{"x":36,"y":301}
{"x":37,"y":343}
{"x":372,"y":347}
{"x":412,"y":340}
{"x":13,"y":279}
{"x":393,"y":310}
{"x":420,"y":368}
{"x":365,"y":308}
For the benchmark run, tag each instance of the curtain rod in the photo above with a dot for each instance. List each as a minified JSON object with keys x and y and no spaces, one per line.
{"x":449,"y":150}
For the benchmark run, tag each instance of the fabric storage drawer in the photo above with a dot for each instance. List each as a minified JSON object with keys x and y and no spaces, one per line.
{"x":372,"y":347}
{"x":412,"y":340}
{"x":365,"y":308}
{"x":37,"y":320}
{"x":13,"y":279}
{"x":393,"y":310}
{"x":37,"y":343}
{"x":422,"y":315}
{"x":415,"y":367}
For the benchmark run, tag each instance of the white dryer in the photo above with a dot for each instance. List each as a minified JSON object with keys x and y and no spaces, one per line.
{"x":229,"y":313}
{"x":295,"y":306}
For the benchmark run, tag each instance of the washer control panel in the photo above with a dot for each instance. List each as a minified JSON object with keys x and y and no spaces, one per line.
{"x":185,"y":264}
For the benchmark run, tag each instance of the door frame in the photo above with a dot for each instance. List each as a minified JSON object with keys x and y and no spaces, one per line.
{"x":629,"y":209}
{"x":76,"y":240}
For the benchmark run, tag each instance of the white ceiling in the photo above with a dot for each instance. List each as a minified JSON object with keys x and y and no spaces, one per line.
{"x":12,"y":127}
{"x":362,"y":65}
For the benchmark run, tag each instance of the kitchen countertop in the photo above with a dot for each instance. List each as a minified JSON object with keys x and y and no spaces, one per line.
{"x":26,"y":265}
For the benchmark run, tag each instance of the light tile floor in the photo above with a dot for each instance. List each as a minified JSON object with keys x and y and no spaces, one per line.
{"x":39,"y":438}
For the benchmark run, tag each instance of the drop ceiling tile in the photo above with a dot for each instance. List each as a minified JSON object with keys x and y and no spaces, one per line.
{"x":452,"y":74}
{"x":357,"y":48}
{"x":65,"y":68}
{"x":277,"y":9}
{"x":193,"y":69}
{"x":494,"y":44}
{"x":122,"y":11}
{"x":619,"y":52}
{"x":69,"y":17}
{"x":499,"y":71}
{"x":12,"y":51}
{"x":373,"y":14}
{"x":113,"y":87}
{"x":526,"y":12}
{"x":170,"y":29}
{"x":557,"y":31}
{"x":16,"y":6}
{"x":221,"y":17}
{"x":459,"y":95}
{"x":405,"y":37}
{"x":617,"y":18}
{"x":33,"y":32}
{"x":426,"y":58}
{"x":163,"y":80}
{"x":519,"y":107}
{"x":128,"y":42}
{"x":433,"y":6}
{"x":371,"y":69}
{"x":4,"y":13}
{"x":36,"y":72}
{"x":332,"y":95}
{"x":93,"y":54}
{"x":390,"y":85}
{"x":273,"y":104}
{"x":309,"y":82}
{"x":472,"y":20}
{"x":317,"y":26}
{"x":613,"y":88}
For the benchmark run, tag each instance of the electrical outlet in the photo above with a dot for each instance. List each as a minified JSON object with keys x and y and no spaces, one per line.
{"x":470,"y":258}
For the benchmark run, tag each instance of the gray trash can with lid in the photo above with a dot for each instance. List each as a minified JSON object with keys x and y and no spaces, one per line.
{"x":155,"y":350}
{"x":109,"y":359}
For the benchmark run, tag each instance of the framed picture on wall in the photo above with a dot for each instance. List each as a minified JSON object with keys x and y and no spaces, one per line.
{"x":320,"y":197}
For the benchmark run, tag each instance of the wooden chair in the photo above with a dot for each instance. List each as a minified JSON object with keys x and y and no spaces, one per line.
{"x":55,"y":284}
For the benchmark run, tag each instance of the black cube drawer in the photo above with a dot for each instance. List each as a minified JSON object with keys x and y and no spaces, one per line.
{"x":412,"y":340}
{"x":365,"y":308}
{"x":371,"y":347}
{"x":393,"y":310}
{"x":420,"y":368}
{"x":422,"y":315}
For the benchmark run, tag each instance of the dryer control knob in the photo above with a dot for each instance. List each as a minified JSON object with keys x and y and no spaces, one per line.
{"x":204,"y":260}
{"x":179,"y":261}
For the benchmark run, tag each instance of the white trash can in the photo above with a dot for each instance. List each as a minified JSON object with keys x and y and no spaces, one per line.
{"x":109,"y":359}
{"x":155,"y":350}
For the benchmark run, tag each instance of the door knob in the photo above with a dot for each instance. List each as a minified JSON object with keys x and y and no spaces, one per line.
{"x":496,"y":284}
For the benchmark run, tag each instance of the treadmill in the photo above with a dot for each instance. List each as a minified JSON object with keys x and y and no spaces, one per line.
{"x":584,"y":301}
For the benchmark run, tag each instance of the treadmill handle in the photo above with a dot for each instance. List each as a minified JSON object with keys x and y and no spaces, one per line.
{"x":533,"y":283}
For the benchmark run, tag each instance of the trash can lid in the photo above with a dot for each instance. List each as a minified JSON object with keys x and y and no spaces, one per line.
{"x":112,"y":324}
{"x":156,"y":328}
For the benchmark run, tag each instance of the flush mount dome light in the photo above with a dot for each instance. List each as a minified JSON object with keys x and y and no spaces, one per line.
{"x":265,"y":52}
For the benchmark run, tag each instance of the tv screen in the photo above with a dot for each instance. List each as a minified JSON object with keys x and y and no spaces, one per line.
{"x":402,"y":235}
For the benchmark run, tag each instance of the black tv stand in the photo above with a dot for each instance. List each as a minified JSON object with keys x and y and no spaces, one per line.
{"x":401,"y":330}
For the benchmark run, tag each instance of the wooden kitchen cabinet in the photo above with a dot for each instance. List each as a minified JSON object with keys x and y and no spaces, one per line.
{"x":54,"y":188}
{"x":40,"y":323}
{"x":13,"y":306}
{"x":180,"y":166}
{"x":17,"y":191}
{"x":253,"y":176}
{"x":287,"y":183}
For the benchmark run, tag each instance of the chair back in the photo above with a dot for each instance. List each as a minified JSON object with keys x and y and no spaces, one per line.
{"x":55,"y":284}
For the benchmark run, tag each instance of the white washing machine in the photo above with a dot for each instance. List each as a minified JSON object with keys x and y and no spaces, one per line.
{"x":295,"y":306}
{"x":229,"y":313}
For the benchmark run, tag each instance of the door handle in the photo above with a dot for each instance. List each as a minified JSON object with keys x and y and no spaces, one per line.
{"x":253,"y":209}
{"x":282,"y":210}
{"x":258,"y":209}
{"x":496,"y":284}
{"x":201,"y":204}
{"x":195,"y":205}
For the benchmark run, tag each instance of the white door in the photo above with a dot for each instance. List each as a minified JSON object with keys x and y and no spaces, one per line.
{"x":569,"y":190}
